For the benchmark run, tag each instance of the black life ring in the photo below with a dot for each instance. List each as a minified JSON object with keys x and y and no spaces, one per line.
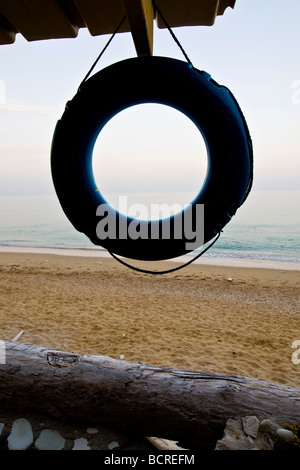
{"x":174,"y":83}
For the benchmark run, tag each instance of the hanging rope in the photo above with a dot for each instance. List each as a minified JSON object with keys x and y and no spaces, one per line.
{"x":102,"y":52}
{"x":172,"y":34}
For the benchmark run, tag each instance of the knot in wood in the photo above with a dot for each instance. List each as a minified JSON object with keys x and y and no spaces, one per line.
{"x":61,"y":359}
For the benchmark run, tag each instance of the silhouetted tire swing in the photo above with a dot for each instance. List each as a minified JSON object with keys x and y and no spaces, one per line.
{"x":211,"y":107}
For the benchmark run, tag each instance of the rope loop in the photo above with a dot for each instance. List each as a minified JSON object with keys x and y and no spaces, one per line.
{"x":116,"y":31}
{"x":167,"y":271}
{"x":141,"y":270}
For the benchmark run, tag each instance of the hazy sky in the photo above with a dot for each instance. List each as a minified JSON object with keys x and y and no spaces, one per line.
{"x":254,"y":50}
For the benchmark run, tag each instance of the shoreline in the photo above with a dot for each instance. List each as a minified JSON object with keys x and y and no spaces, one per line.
{"x":226,"y":261}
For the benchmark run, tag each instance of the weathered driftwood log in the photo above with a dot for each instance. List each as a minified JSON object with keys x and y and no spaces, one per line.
{"x":158,"y":401}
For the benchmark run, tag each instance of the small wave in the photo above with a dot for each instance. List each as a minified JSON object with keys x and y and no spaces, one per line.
{"x":247,"y":256}
{"x":209,"y":255}
{"x":50,"y":246}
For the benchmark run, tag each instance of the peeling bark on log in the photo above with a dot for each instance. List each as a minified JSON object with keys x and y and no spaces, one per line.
{"x":153,"y":401}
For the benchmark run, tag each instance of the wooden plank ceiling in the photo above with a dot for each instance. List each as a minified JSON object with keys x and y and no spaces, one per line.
{"x":52,"y":19}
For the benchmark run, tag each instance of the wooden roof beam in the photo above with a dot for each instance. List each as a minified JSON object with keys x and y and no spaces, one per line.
{"x":140,"y":15}
{"x":37,"y":20}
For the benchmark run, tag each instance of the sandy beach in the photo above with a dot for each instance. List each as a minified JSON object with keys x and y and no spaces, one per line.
{"x":225,"y":319}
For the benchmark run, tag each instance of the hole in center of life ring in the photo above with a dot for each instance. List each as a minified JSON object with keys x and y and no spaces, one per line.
{"x":149,"y":161}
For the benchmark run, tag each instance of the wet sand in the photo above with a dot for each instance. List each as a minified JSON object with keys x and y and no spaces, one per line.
{"x":222,"y":319}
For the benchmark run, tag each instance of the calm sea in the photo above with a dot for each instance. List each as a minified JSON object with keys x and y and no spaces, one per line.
{"x":266,"y":227}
